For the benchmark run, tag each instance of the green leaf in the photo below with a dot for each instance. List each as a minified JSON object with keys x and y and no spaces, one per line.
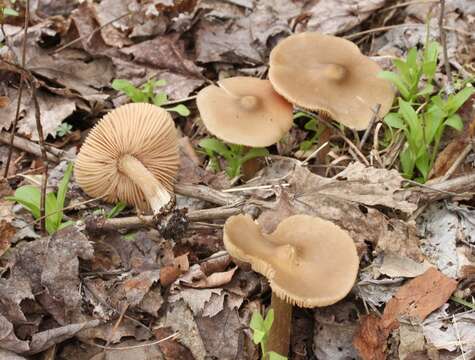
{"x":411,"y":118}
{"x":423,"y":164}
{"x":66,"y":224}
{"x":300,"y":114}
{"x":257,"y":321}
{"x":52,"y":213}
{"x":29,"y":197}
{"x":433,"y":119}
{"x":129,"y":89}
{"x":306,"y":145}
{"x":394,"y":120}
{"x":311,"y":125}
{"x":216,"y":146}
{"x":427,"y":90}
{"x":160,"y":99}
{"x":181,"y":109}
{"x":62,"y":190}
{"x":274,"y":356}
{"x":455,"y":121}
{"x":258,"y":336}
{"x":116,"y":210}
{"x":10,"y":12}
{"x":411,"y":59}
{"x":158,"y":83}
{"x":408,"y":161}
{"x":403,"y":68}
{"x":269,"y":320}
{"x":254,"y":153}
{"x":397,"y":81}
{"x":429,"y":68}
{"x":234,"y":167}
{"x":456,"y":101}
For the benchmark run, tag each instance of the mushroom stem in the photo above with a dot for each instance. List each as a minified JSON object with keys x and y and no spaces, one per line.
{"x":279,"y":337}
{"x":155,"y":193}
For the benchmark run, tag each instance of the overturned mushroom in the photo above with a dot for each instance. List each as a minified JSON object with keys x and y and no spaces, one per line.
{"x":245,"y":111}
{"x":131,"y":155}
{"x":309,"y":262}
{"x":329,"y":74}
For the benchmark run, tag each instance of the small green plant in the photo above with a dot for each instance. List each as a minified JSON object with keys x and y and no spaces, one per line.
{"x":312,"y":125}
{"x":235,"y":155}
{"x":420,"y":115}
{"x":116,"y":210}
{"x":29,"y":197}
{"x":260,"y":334}
{"x":64,"y":129}
{"x":147,"y":93}
{"x":7,"y":11}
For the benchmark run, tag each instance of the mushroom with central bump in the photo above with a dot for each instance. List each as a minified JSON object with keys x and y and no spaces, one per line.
{"x":309,"y":262}
{"x":131,"y":155}
{"x":245,"y":111}
{"x":329,"y":74}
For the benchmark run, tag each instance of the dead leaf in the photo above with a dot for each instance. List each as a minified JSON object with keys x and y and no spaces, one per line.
{"x":216,"y":263}
{"x":196,"y":299}
{"x":419,"y":297}
{"x":169,"y":274}
{"x":132,"y":291}
{"x":172,"y":349}
{"x":4,"y":101}
{"x":415,"y":300}
{"x":54,"y":110}
{"x":394,"y":265}
{"x":7,"y":231}
{"x":214,"y":280}
{"x":411,"y":340}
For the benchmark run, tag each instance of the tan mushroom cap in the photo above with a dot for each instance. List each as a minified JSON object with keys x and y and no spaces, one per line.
{"x":132,"y":150}
{"x":330,"y":74}
{"x":308,"y":261}
{"x":245,"y":111}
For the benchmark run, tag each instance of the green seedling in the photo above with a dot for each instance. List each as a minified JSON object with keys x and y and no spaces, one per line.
{"x":422,"y":116}
{"x":7,"y":11}
{"x":312,"y":125}
{"x":29,"y":197}
{"x":116,"y":210}
{"x":235,"y":155}
{"x":147,"y":93}
{"x":260,"y":334}
{"x":64,"y":129}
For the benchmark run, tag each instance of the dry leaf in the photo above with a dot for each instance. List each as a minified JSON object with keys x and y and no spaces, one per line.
{"x":7,"y":231}
{"x":370,"y":338}
{"x":214,"y":280}
{"x":172,"y":349}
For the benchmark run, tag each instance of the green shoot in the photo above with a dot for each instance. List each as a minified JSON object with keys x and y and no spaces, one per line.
{"x":235,"y":155}
{"x":116,"y":210}
{"x":147,"y":93}
{"x":312,"y":125}
{"x":29,"y":197}
{"x":422,"y":116}
{"x":260,"y":334}
{"x":64,"y":129}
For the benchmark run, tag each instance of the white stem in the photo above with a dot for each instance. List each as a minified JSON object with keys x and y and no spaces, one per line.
{"x":155,"y":193}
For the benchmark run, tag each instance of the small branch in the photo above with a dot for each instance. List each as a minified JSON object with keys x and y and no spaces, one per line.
{"x":133,"y":222}
{"x":373,"y":121}
{"x":29,"y":146}
{"x":443,"y":40}
{"x":39,"y":129}
{"x":20,"y":91}
{"x":208,"y":194}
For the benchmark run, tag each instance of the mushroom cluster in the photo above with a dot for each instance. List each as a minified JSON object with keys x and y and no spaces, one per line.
{"x":314,"y":71}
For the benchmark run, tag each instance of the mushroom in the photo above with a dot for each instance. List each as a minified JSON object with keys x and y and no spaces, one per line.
{"x":131,"y":155}
{"x":329,"y":74}
{"x":245,"y":111}
{"x":309,"y":262}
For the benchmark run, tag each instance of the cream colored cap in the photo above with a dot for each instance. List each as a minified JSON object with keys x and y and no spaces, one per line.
{"x":245,"y":111}
{"x":329,"y":74}
{"x":308,"y":261}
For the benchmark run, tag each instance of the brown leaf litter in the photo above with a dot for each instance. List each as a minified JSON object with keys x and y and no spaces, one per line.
{"x":414,"y":301}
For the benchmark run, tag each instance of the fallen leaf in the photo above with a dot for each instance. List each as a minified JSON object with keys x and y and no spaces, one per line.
{"x":394,"y":265}
{"x":214,"y":280}
{"x":196,"y":299}
{"x":411,"y":340}
{"x":172,"y":349}
{"x":415,"y":301}
{"x":7,"y":231}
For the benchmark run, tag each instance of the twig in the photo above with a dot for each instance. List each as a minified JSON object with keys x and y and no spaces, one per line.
{"x":39,"y":129}
{"x":406,"y":4}
{"x":172,"y":336}
{"x":456,"y":163}
{"x":28,"y":146}
{"x":133,"y":222}
{"x":378,"y":29}
{"x":251,"y":188}
{"x":89,"y":36}
{"x":373,"y":121}
{"x":20,"y":91}
{"x":207,"y":194}
{"x":313,"y":154}
{"x":443,"y":40}
{"x":178,"y":101}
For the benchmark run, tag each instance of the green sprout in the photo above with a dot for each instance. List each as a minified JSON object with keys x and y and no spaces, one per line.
{"x":147,"y":93}
{"x":64,"y":129}
{"x":29,"y":197}
{"x":260,"y":334}
{"x":235,"y":155}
